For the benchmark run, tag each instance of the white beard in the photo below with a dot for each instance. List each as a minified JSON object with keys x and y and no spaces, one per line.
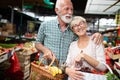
{"x":63,"y":17}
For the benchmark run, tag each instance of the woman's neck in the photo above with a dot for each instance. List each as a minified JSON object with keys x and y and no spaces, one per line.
{"x":83,"y":38}
{"x":83,"y":41}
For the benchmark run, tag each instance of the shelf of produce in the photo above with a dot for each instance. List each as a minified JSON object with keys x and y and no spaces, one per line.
{"x":114,"y":56}
{"x":3,"y":57}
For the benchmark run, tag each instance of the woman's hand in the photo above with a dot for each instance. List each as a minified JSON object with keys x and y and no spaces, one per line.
{"x":74,"y":73}
{"x":97,"y":38}
{"x":79,"y":57}
{"x":78,"y":60}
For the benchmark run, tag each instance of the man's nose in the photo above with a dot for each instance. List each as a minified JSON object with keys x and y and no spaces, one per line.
{"x":70,"y":11}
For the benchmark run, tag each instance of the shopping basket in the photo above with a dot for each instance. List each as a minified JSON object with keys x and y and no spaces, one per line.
{"x":108,"y":76}
{"x":41,"y":72}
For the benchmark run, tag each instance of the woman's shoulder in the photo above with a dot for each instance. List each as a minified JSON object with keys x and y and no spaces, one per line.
{"x":74,"y":43}
{"x":92,"y":42}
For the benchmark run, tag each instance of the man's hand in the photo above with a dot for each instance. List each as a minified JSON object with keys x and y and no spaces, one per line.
{"x":74,"y":73}
{"x":48,"y":54}
{"x":97,"y":38}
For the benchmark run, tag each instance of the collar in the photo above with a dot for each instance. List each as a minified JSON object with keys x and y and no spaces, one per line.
{"x":57,"y":24}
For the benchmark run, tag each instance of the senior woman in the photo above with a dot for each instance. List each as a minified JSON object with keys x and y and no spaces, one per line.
{"x":83,"y":53}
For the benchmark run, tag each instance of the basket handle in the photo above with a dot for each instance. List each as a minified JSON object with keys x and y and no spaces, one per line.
{"x":51,"y":63}
{"x":108,"y":68}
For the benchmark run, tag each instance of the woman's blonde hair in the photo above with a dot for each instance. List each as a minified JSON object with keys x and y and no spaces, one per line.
{"x":77,"y":20}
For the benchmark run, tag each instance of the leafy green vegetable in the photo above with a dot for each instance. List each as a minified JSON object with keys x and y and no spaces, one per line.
{"x":111,"y":76}
{"x":4,"y":45}
{"x":7,"y":39}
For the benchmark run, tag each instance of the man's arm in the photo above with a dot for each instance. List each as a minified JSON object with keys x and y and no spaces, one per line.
{"x":46,"y":51}
{"x":39,"y":42}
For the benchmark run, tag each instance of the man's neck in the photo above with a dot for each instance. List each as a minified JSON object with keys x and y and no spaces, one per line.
{"x":63,"y":25}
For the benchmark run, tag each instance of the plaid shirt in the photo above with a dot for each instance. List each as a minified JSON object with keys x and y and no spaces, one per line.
{"x":51,"y":36}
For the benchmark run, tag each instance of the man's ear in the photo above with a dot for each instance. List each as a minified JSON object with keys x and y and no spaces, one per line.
{"x":56,"y":10}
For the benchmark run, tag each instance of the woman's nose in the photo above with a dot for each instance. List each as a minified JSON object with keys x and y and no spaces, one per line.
{"x":79,"y":26}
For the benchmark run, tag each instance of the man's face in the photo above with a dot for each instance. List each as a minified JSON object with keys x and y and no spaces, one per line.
{"x":66,"y":12}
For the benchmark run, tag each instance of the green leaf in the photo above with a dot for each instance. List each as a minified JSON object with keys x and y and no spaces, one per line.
{"x":111,"y":76}
{"x":7,"y":45}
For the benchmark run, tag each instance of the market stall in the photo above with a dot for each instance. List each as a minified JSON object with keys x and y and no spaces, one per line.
{"x":15,"y":60}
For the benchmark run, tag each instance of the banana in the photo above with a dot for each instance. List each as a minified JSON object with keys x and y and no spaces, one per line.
{"x":54,"y":74}
{"x":51,"y":69}
{"x":55,"y":70}
{"x":59,"y":71}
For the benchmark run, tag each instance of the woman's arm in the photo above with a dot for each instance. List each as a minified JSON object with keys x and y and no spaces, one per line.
{"x":96,"y":62}
{"x":92,"y":61}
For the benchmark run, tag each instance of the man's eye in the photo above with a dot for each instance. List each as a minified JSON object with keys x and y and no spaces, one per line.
{"x":66,"y":9}
{"x":71,"y":9}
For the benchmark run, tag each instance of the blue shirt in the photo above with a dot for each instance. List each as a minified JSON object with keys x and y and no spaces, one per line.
{"x":53,"y":38}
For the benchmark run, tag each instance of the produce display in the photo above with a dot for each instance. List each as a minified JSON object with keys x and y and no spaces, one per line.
{"x":4,"y":45}
{"x":112,"y":58}
{"x":113,"y":53}
{"x":29,"y":47}
{"x":2,"y":50}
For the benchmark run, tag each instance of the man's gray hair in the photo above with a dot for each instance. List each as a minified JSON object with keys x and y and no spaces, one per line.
{"x":59,"y":2}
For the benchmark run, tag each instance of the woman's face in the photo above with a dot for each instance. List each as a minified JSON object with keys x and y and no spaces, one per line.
{"x":80,"y":28}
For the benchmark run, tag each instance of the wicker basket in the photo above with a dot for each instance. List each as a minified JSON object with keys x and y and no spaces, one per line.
{"x":40,"y":72}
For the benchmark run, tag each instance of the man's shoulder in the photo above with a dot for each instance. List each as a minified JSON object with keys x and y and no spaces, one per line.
{"x":49,"y":24}
{"x":51,"y":21}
